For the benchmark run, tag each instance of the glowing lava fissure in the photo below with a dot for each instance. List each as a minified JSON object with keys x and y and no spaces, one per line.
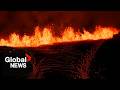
{"x":46,"y":37}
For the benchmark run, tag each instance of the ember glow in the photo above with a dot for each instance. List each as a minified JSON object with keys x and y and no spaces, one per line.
{"x":45,"y":36}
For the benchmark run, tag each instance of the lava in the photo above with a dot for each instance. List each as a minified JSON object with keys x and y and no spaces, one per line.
{"x":46,"y":37}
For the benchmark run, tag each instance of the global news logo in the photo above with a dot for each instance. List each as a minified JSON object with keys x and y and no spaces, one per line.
{"x":18,"y":62}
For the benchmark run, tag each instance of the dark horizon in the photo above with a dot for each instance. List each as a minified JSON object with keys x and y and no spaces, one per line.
{"x":25,"y":21}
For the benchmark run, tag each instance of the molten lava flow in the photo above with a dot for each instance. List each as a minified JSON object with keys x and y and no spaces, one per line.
{"x":46,"y":37}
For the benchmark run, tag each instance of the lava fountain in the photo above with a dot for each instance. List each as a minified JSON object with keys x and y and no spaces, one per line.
{"x":46,"y":36}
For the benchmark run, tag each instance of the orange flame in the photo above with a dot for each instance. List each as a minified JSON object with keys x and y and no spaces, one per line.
{"x":46,"y":37}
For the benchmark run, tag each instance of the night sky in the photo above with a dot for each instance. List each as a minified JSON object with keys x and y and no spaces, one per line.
{"x":25,"y":21}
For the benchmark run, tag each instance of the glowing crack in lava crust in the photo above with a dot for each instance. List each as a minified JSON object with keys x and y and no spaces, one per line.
{"x":46,"y":37}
